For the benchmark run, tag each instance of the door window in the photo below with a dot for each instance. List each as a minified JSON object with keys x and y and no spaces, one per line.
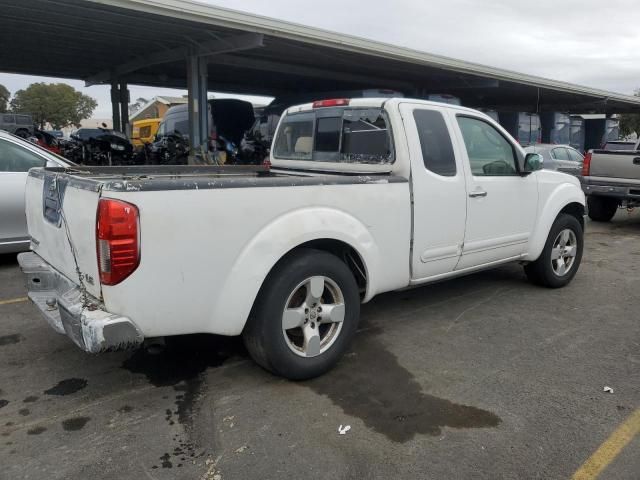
{"x":14,"y":158}
{"x":560,"y":154}
{"x":435,"y":142}
{"x":490,"y":154}
{"x":575,"y":156}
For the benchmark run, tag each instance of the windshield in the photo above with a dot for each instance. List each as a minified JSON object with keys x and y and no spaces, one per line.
{"x":351,"y":135}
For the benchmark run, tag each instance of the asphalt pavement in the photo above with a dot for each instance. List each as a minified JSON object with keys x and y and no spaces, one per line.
{"x":483,"y":377}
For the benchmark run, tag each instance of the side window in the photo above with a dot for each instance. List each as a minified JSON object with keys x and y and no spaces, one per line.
{"x":9,"y":118}
{"x":575,"y":156}
{"x":295,"y":137}
{"x":182,"y":127}
{"x":490,"y":154}
{"x":560,"y":154}
{"x":162,"y":130}
{"x":435,"y":142}
{"x":145,"y":131}
{"x":14,"y":158}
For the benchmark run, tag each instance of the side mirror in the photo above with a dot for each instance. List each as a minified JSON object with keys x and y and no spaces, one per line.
{"x":533,"y":162}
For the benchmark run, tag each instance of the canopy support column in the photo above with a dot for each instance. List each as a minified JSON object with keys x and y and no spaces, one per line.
{"x":115,"y":107}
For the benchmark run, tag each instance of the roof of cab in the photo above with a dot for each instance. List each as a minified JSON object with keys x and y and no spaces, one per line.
{"x":371,"y":102}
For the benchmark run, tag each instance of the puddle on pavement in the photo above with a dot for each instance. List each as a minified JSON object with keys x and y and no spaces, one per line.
{"x":182,"y":365}
{"x":67,"y":387}
{"x":36,"y":431}
{"x":74,"y":424}
{"x":370,"y":384}
{"x":10,"y":339}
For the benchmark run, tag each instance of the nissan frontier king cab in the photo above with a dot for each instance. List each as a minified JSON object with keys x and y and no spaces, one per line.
{"x":364,"y":196}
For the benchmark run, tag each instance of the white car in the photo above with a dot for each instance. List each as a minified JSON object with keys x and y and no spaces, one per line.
{"x":364,"y":196}
{"x":17,"y":156}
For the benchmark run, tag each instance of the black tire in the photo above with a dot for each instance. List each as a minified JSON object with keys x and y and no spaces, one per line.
{"x":263,"y":334}
{"x":601,"y":209}
{"x":541,"y":272}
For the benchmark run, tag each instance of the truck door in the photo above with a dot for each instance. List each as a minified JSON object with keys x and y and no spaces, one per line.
{"x":501,"y":203}
{"x":439,"y":194}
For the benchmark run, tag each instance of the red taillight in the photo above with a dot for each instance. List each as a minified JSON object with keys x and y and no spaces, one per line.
{"x":118,"y":240}
{"x":334,"y":102}
{"x":586,"y":164}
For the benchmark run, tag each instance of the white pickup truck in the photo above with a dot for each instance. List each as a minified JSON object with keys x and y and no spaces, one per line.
{"x":364,"y":196}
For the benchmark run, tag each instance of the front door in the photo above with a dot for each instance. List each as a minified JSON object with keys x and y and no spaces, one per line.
{"x":439,"y":194}
{"x":501,"y":203}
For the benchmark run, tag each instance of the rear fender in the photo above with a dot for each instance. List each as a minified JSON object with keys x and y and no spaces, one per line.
{"x":272,"y":243}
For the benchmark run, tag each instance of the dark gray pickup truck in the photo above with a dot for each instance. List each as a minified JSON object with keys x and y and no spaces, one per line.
{"x":610,"y":179}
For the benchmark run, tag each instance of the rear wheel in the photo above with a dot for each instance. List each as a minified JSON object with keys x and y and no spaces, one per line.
{"x":305,"y":315}
{"x":601,"y":209}
{"x":561,"y":256}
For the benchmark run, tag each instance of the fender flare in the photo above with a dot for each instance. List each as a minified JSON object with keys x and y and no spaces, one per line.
{"x":565,"y":194}
{"x":272,"y":243}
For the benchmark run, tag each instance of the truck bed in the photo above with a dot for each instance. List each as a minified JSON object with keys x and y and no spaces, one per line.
{"x":619,"y":164}
{"x":186,"y":177}
{"x":209,"y":235}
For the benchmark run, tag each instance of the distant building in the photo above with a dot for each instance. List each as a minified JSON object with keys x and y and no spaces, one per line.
{"x":156,"y":108}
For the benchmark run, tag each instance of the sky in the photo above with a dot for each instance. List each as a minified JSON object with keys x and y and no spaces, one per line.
{"x":588,"y":42}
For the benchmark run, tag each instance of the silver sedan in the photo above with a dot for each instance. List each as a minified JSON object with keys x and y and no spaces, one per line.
{"x":17,"y":156}
{"x":562,"y":158}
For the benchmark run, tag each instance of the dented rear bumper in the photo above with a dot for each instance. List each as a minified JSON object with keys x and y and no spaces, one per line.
{"x":81,"y":318}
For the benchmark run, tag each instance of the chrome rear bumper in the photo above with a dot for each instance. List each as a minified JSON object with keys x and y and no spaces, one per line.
{"x":83,"y":320}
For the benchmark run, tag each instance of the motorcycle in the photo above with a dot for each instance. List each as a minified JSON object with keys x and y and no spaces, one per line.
{"x":105,"y":149}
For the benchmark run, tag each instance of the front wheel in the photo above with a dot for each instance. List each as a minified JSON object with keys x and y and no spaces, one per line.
{"x":561,"y":256}
{"x":305,"y":315}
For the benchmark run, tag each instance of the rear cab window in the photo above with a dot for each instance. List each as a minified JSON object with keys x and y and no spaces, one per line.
{"x":345,"y":135}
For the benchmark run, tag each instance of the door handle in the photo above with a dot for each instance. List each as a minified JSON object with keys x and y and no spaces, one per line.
{"x":636,"y":161}
{"x":478,"y":193}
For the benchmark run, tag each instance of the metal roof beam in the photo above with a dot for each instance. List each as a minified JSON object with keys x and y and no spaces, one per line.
{"x":306,"y":71}
{"x":212,"y":47}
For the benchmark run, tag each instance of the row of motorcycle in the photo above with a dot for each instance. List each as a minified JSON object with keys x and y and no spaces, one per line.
{"x":109,"y":147}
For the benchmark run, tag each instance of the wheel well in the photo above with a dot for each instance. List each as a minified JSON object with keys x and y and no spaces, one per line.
{"x":575,"y":209}
{"x":344,"y":252}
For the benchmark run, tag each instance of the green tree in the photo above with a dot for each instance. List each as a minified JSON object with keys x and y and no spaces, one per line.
{"x":4,"y":98}
{"x":58,"y":104}
{"x":630,"y":122}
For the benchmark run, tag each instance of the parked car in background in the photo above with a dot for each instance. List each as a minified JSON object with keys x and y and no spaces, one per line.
{"x":19,"y":124}
{"x":562,"y":158}
{"x":55,"y":133}
{"x":610,"y":179}
{"x":46,"y":140}
{"x":144,"y":131}
{"x":17,"y":156}
{"x":87,"y":133}
{"x":364,"y":196}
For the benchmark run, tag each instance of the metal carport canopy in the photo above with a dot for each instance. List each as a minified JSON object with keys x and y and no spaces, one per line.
{"x":146,"y":42}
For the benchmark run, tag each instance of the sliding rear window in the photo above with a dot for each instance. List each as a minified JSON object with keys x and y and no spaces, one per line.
{"x":341,"y":135}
